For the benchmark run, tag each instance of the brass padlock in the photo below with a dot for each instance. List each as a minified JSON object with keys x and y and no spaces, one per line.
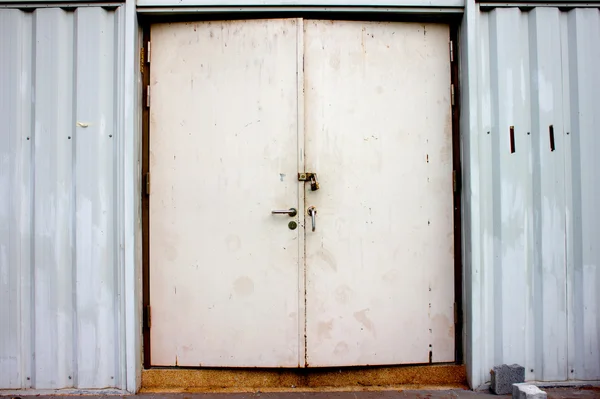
{"x":312,"y":177}
{"x":314,"y":184}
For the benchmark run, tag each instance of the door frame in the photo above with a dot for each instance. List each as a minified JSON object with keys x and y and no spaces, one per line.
{"x":369,"y":14}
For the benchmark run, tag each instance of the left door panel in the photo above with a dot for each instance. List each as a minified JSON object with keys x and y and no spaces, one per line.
{"x":223,"y":154}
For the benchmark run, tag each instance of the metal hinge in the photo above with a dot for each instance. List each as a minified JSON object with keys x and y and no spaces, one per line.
{"x":147,"y":183}
{"x":148,"y":59}
{"x":147,"y":317}
{"x":454,"y":182}
{"x":451,"y":51}
{"x":455,"y":313}
{"x":452,"y":94}
{"x":148,"y":97}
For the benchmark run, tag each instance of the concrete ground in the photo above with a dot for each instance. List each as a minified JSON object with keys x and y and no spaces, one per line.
{"x":553,"y":393}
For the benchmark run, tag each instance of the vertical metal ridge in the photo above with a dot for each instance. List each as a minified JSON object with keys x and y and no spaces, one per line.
{"x":73,"y":133}
{"x":9,"y":291}
{"x":576,"y":280}
{"x":536,"y":199}
{"x":23,"y":218}
{"x":496,"y":197}
{"x":117,"y":18}
{"x":95,"y":182}
{"x":567,"y":125}
{"x":33,"y":370}
{"x":113,"y":105}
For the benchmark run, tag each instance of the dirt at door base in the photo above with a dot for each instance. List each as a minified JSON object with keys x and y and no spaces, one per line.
{"x":276,"y":380}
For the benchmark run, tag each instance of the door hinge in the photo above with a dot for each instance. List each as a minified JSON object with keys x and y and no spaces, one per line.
{"x":148,"y":97}
{"x":147,"y":183}
{"x":452,"y":94}
{"x":455,"y":313}
{"x":147,"y":317}
{"x":454,"y":181}
{"x":451,"y":51}
{"x":148,"y":52}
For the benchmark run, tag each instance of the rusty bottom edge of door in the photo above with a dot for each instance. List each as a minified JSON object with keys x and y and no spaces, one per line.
{"x":228,"y":380}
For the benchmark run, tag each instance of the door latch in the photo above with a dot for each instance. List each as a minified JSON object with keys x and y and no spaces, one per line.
{"x":312,"y":212}
{"x":311,"y":177}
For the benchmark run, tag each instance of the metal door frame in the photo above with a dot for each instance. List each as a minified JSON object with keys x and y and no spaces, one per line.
{"x":452,"y":17}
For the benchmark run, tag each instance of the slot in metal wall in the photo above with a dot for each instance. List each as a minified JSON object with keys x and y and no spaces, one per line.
{"x":60,"y":284}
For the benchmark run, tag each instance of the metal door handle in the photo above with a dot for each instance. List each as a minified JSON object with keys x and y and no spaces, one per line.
{"x":290,"y":212}
{"x":312,"y":212}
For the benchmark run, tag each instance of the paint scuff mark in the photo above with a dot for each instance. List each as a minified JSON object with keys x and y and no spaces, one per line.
{"x":281,"y":176}
{"x":362,"y":318}
{"x":248,"y":124}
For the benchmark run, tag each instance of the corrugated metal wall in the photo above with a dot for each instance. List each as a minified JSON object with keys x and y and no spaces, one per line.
{"x":60,"y":285}
{"x":538,"y":116}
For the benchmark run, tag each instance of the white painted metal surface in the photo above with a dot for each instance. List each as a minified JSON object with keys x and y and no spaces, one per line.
{"x":380,"y":264}
{"x":320,"y":3}
{"x":129,"y":210}
{"x":216,"y":252}
{"x":60,"y":283}
{"x":531,"y":259}
{"x":249,"y":11}
{"x":223,"y":155}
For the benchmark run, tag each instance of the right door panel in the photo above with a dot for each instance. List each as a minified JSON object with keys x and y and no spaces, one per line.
{"x":380,"y":263}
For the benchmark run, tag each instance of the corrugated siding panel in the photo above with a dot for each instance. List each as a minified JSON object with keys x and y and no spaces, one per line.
{"x":15,"y":197}
{"x":538,"y":77}
{"x":59,"y":279}
{"x":582,"y":68}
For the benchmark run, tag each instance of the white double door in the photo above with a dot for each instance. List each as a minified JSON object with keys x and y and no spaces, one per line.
{"x":238,"y":109}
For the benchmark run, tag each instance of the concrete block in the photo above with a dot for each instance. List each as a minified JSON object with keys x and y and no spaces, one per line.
{"x":527,"y":391}
{"x":504,"y":376}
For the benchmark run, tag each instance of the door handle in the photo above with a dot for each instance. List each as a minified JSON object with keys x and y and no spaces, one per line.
{"x":290,"y":212}
{"x":312,"y":212}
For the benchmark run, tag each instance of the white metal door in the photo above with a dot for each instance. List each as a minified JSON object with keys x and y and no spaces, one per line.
{"x":223,"y":144}
{"x":232,"y":106}
{"x":380,"y":271}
